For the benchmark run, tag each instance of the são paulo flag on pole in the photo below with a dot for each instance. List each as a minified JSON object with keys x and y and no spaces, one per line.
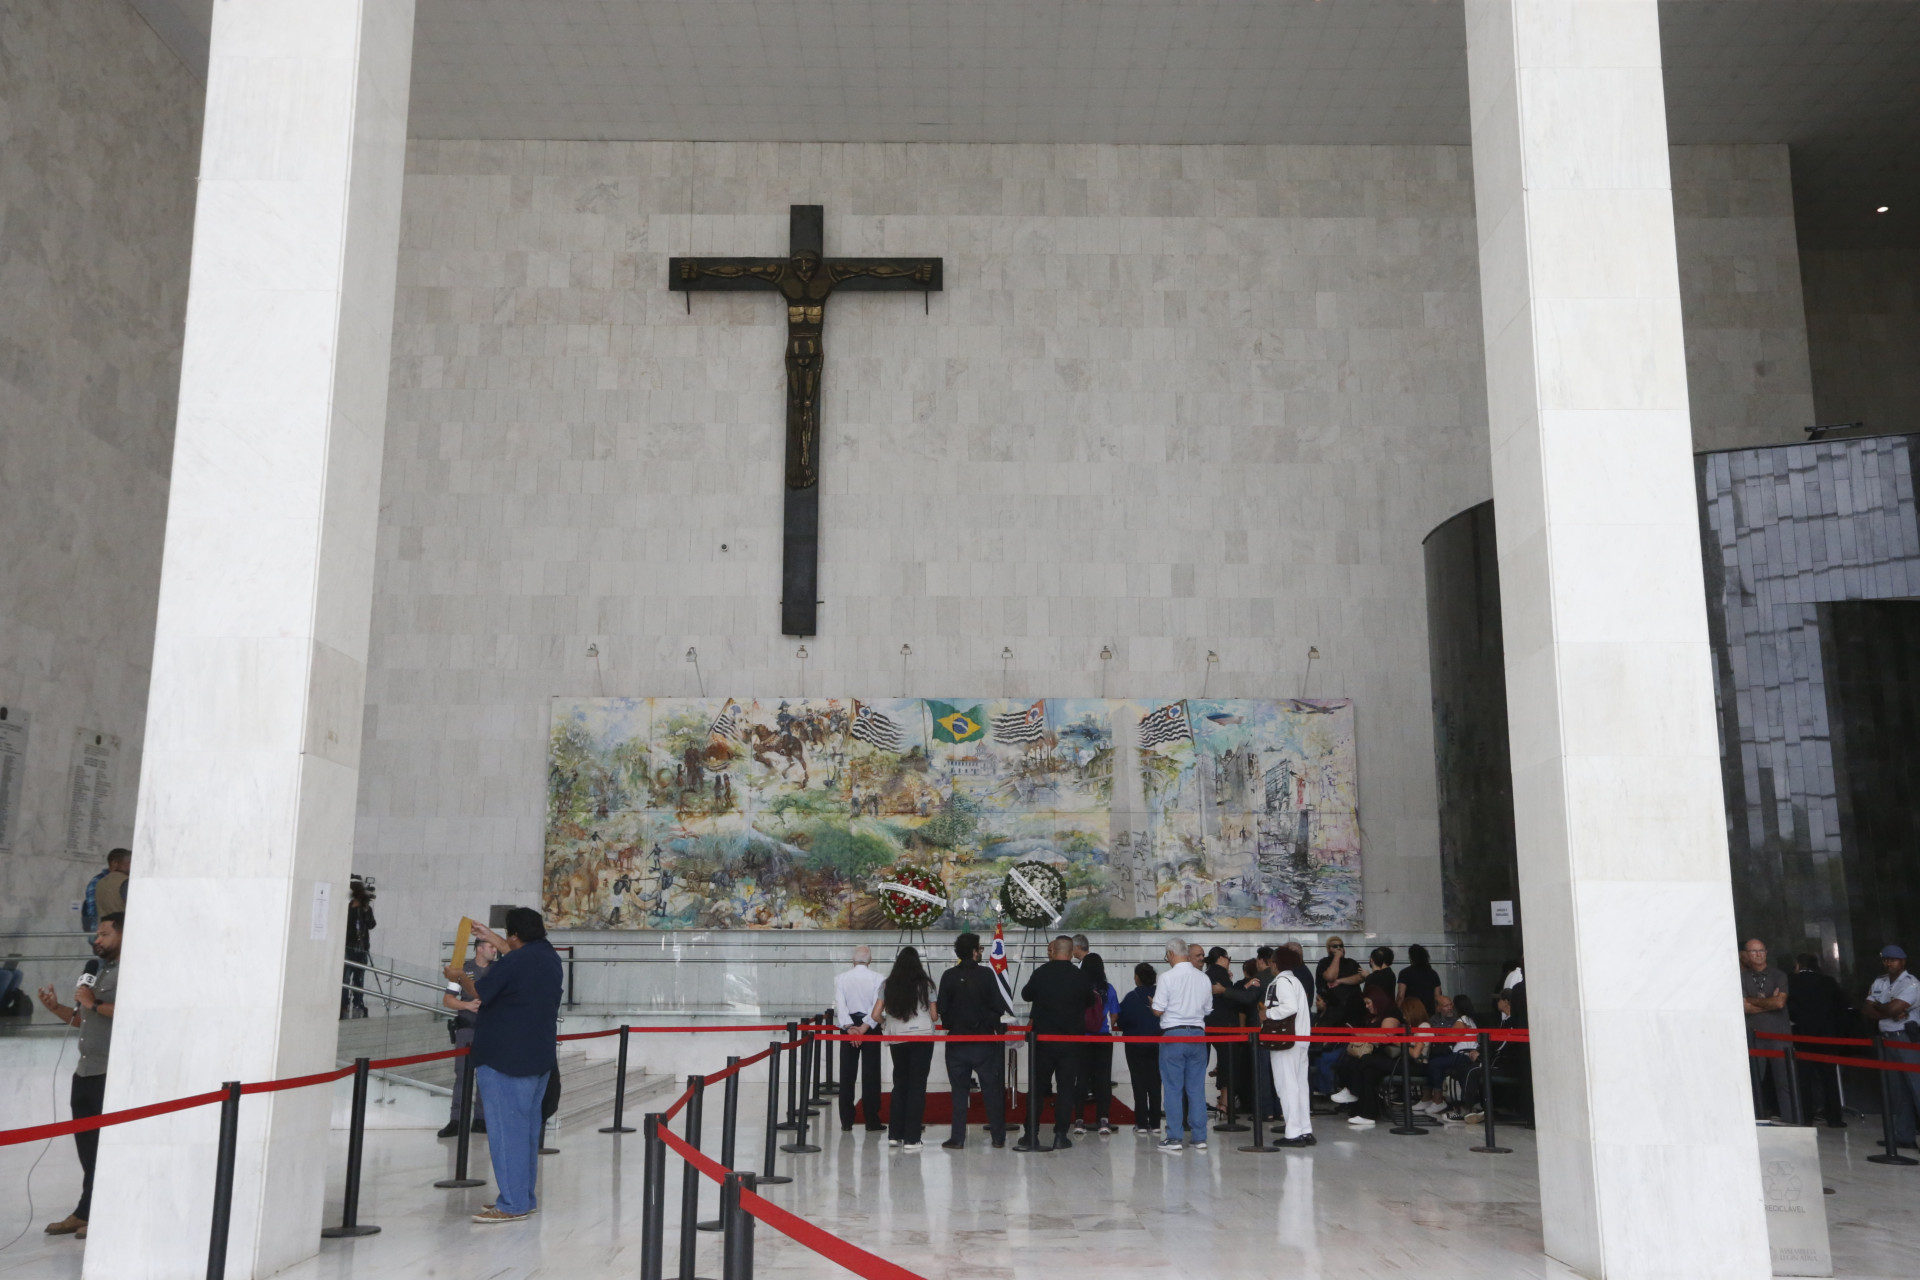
{"x":998,"y":959}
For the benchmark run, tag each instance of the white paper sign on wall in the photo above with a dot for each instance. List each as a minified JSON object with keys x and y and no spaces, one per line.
{"x":1503,"y":912}
{"x":322,"y":910}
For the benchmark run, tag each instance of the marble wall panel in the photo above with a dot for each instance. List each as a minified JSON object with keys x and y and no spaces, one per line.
{"x":1171,"y":401}
{"x":99,"y":126}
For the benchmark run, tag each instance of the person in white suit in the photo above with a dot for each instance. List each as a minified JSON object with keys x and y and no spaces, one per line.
{"x":1286,"y":998}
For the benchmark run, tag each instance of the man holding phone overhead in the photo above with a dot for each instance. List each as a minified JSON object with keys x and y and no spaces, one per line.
{"x":513,"y":1052}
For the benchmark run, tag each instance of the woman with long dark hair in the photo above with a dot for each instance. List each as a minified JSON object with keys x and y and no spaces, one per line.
{"x":906,"y":1008}
{"x":1102,"y":1015}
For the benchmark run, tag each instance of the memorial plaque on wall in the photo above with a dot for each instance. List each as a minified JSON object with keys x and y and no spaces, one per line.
{"x":90,"y":793}
{"x":13,"y":771}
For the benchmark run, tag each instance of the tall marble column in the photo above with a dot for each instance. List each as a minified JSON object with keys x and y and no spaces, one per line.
{"x":1648,"y":1161}
{"x":244,"y":831}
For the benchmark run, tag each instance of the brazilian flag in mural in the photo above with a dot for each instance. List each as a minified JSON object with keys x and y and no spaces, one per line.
{"x":951,"y":724}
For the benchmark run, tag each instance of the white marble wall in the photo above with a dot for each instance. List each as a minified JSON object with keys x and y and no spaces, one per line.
{"x":98,"y":128}
{"x":1172,"y":400}
{"x":1748,"y":376}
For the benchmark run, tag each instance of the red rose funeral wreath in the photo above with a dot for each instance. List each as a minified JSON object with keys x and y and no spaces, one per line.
{"x":911,"y":897}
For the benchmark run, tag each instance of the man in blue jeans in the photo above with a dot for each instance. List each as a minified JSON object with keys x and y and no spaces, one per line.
{"x":513,"y":1053}
{"x":1183,"y":998}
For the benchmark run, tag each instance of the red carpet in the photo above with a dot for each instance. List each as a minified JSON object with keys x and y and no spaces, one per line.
{"x":940,"y":1110}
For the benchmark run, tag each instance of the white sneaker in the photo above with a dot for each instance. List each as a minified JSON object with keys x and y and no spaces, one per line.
{"x":1170,"y":1147}
{"x":893,"y":1142}
{"x":1430,"y":1108}
{"x":1346,"y":1095}
{"x":911,"y":1147}
{"x":1198,"y":1146}
{"x":1360,"y":1122}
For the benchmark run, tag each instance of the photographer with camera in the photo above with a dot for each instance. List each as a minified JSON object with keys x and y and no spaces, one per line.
{"x":92,"y":1012}
{"x":853,"y":995}
{"x":360,"y":926}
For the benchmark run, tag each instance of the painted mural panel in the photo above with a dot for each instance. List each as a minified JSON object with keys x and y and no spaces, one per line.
{"x":718,"y":813}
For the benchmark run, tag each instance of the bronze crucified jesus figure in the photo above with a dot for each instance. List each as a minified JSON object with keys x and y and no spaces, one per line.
{"x":805,"y":279}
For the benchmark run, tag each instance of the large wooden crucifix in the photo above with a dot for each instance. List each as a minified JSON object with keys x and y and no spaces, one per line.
{"x":806,"y":279}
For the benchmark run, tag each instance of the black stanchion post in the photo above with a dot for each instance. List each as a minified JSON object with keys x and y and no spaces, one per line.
{"x":1407,"y":1128}
{"x":463,"y":1145}
{"x":356,"y":1146}
{"x":793,"y":1077}
{"x":1031,"y":1142}
{"x":1489,"y":1147}
{"x":1232,"y":1122}
{"x":223,"y":1181}
{"x":830,"y":1087}
{"x":620,"y":1089}
{"x":728,"y":1122}
{"x":1792,"y":1065}
{"x":690,"y":1180}
{"x":800,"y":1146}
{"x":1259,"y":1134}
{"x":737,"y":1251}
{"x":767,"y":1176}
{"x":1891,"y":1155}
{"x":653,"y":1201}
{"x":819,"y":1098}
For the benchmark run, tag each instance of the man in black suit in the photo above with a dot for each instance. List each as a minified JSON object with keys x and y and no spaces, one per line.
{"x":1058,"y":994}
{"x":1818,"y":1008}
{"x":971,"y":1005}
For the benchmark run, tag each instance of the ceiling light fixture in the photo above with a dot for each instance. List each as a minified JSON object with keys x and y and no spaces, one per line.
{"x":1881,"y":209}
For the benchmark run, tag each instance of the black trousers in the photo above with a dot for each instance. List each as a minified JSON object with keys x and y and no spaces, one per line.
{"x":87,"y":1098}
{"x":1363,"y":1075}
{"x":986,"y":1063}
{"x":1096,"y":1081}
{"x":860,"y":1060}
{"x":1143,"y":1064}
{"x":355,"y":978}
{"x":1056,"y":1065}
{"x":1821,"y":1080}
{"x":911,"y":1063}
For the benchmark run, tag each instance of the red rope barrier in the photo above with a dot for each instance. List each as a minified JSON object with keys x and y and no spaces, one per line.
{"x":297,"y":1082}
{"x":1875,"y":1063}
{"x":383,"y":1064}
{"x":1781,"y":1035}
{"x":1218,"y":1035}
{"x":8,"y":1137}
{"x":831,"y":1247}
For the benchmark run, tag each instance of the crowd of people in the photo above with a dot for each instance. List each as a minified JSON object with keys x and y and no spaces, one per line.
{"x":1197,"y":994}
{"x":505,"y":1000}
{"x":1810,"y":1002}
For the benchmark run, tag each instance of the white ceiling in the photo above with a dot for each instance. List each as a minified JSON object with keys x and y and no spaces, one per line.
{"x":1838,"y":79}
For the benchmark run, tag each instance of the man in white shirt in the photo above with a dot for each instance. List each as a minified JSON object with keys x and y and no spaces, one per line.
{"x":1286,"y":998}
{"x":1894,"y":1004}
{"x":1183,"y":998}
{"x":853,"y":995}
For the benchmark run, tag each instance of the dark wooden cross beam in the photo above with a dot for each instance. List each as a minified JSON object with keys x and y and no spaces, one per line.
{"x":806,"y":279}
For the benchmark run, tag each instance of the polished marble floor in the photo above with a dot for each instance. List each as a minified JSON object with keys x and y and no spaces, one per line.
{"x":1358,"y":1204}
